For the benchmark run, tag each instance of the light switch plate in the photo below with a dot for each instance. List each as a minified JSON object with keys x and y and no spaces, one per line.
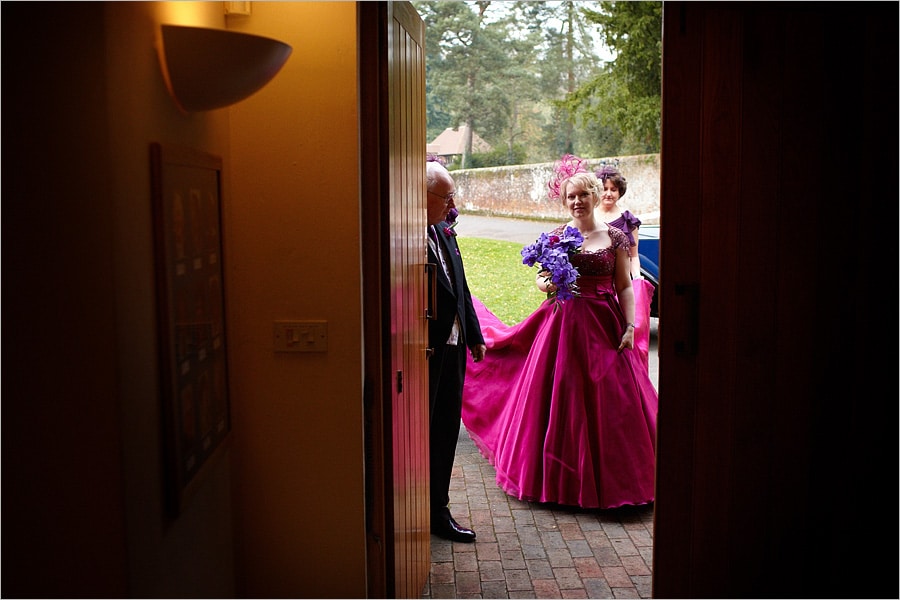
{"x":301,"y":336}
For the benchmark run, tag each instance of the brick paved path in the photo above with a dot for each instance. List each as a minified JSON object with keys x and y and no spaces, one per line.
{"x":527,"y":550}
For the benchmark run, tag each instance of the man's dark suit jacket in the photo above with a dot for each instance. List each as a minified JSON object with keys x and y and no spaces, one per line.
{"x":450,"y":301}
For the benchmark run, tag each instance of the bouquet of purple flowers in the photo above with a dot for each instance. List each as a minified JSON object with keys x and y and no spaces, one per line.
{"x":552,"y":253}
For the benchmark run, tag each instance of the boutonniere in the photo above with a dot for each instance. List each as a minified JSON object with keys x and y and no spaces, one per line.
{"x":450,"y":228}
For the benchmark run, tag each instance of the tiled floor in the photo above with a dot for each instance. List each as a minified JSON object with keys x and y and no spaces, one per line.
{"x":527,"y":550}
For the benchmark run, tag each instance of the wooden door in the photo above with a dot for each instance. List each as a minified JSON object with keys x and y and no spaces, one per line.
{"x":392,"y":125}
{"x":775,"y":158}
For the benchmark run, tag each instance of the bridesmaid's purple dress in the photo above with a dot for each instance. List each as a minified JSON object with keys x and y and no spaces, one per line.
{"x":643,"y":291}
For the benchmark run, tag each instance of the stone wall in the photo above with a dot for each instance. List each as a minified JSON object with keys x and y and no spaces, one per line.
{"x":521,"y":191}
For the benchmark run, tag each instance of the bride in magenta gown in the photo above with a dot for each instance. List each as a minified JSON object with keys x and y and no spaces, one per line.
{"x":562,"y":413}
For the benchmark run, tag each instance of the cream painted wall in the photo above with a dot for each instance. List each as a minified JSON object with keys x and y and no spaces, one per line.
{"x":293,"y":253}
{"x":190,"y":556}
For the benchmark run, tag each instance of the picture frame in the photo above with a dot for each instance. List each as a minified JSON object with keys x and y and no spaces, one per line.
{"x":186,"y":189}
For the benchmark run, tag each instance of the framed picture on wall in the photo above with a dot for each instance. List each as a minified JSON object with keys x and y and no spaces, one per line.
{"x":186,"y":187}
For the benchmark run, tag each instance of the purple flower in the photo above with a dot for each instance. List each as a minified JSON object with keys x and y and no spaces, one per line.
{"x":451,"y":219}
{"x":552,"y":254}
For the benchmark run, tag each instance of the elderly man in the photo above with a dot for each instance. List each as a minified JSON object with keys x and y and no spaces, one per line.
{"x":454,"y":329}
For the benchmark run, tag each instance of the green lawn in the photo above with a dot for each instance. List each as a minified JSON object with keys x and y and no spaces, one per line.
{"x":498,"y":278}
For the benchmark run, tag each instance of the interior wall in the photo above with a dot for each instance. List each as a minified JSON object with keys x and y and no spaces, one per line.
{"x":83,"y":482}
{"x":190,"y":555}
{"x":293,"y":253}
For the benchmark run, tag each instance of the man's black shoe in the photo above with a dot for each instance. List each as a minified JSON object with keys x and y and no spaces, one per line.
{"x":444,"y":526}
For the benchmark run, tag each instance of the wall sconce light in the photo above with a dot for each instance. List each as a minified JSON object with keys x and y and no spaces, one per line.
{"x":208,"y":68}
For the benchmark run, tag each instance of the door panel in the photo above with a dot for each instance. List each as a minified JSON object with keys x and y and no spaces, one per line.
{"x":392,"y":84}
{"x":767,"y":300}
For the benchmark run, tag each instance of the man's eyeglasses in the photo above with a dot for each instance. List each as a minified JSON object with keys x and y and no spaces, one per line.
{"x":447,"y":199}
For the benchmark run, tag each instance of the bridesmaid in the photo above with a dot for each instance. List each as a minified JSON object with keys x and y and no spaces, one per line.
{"x":614,"y":187}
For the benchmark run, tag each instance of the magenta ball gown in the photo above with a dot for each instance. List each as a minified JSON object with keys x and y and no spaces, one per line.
{"x":560,"y":413}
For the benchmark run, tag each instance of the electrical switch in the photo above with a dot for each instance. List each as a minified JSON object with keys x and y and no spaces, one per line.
{"x":301,"y":336}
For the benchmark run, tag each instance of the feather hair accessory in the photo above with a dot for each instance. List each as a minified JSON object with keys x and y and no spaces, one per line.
{"x":564,"y":168}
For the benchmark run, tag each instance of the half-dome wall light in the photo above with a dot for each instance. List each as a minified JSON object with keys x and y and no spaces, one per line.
{"x":208,"y":68}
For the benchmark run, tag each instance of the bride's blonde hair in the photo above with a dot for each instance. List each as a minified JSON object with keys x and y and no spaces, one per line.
{"x":588,"y":182}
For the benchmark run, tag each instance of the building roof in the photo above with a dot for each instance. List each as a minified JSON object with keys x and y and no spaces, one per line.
{"x":452,"y":141}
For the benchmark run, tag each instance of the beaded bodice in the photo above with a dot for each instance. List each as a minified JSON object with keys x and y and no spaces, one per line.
{"x":600,"y":262}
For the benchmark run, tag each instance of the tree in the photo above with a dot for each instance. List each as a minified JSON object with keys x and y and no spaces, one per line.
{"x":568,"y":60}
{"x":526,"y":76}
{"x":628,"y":94}
{"x":470,"y":64}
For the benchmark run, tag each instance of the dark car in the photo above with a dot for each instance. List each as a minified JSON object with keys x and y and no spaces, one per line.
{"x":648,"y":250}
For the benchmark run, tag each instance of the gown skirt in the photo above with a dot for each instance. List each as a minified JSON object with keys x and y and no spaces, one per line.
{"x":563,"y":416}
{"x":643,"y":296}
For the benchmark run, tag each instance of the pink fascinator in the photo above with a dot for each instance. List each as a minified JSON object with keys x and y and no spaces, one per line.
{"x":565,"y":167}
